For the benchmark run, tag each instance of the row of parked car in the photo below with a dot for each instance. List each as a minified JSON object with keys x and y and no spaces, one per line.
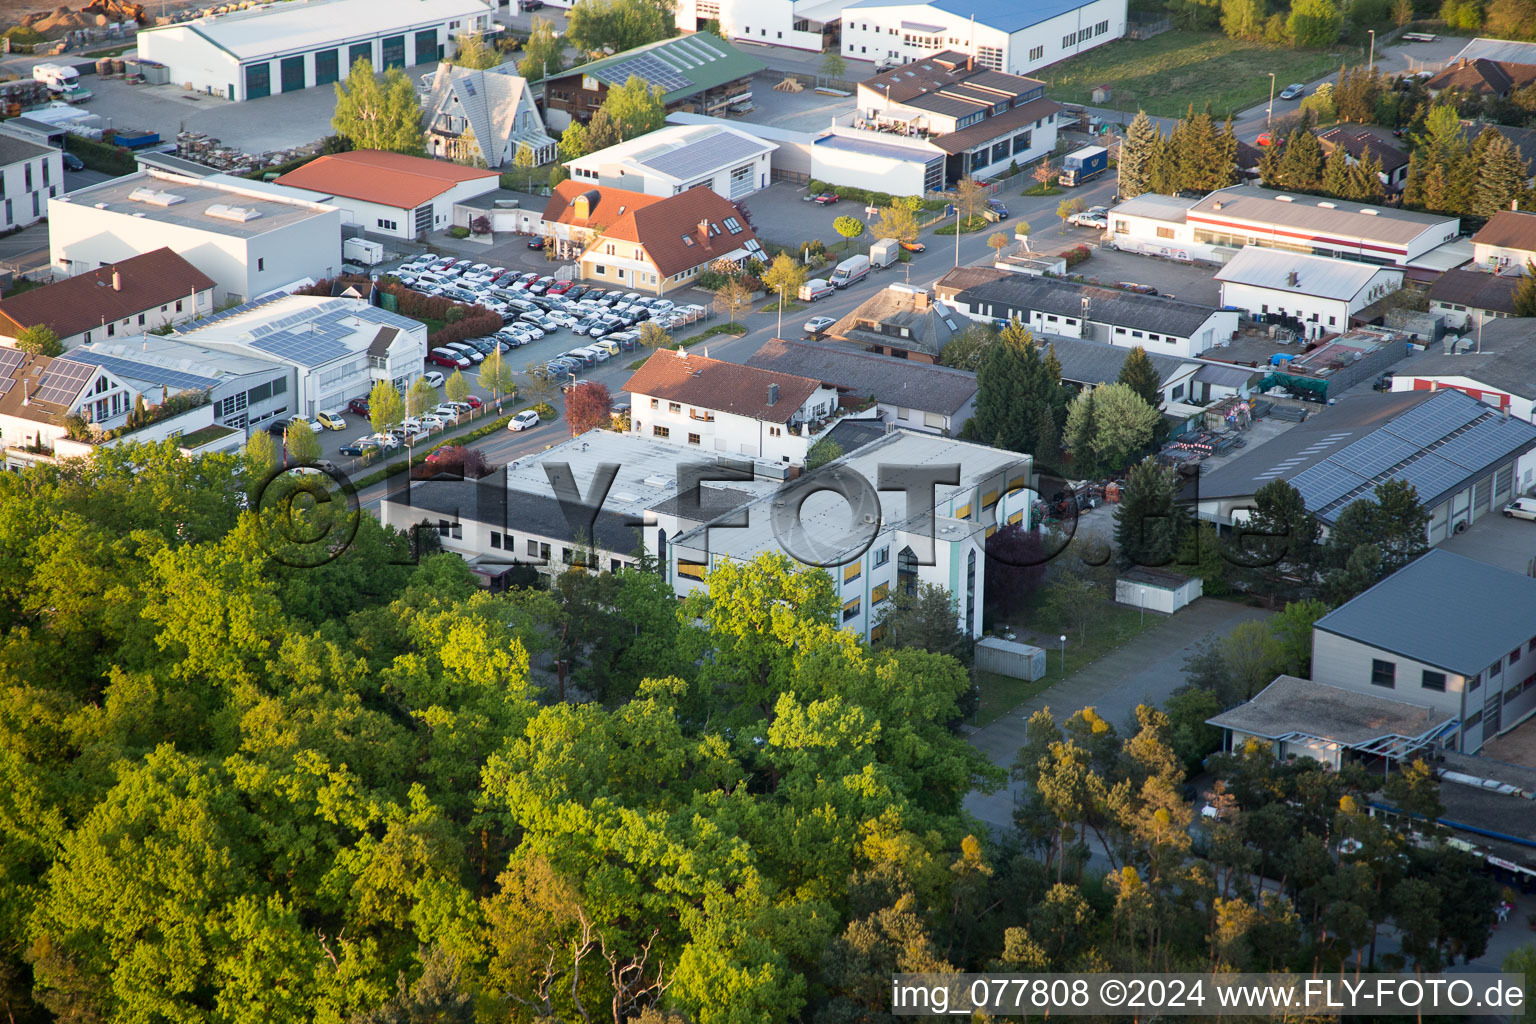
{"x":411,"y":430}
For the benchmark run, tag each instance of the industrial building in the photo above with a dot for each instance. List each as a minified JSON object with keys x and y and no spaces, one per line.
{"x":677,"y":158}
{"x":390,"y":193}
{"x":301,"y":44}
{"x":1313,"y":295}
{"x":249,"y":240}
{"x":1004,"y":35}
{"x":800,"y":24}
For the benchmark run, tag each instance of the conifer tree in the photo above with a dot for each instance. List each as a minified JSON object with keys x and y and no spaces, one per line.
{"x":1137,"y":154}
{"x":1501,"y":176}
{"x":1336,"y":174}
{"x":1138,"y":374}
{"x":1365,"y":179}
{"x":1301,"y":167}
{"x":1525,"y":292}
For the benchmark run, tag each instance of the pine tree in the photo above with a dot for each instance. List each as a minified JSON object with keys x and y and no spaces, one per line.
{"x":1137,"y":154}
{"x":1047,"y":447}
{"x":1525,"y":292}
{"x":1162,"y":175}
{"x":1501,"y":176}
{"x":1336,"y":179}
{"x":1269,"y":168}
{"x":1365,"y":179}
{"x":1138,"y":374}
{"x":1434,"y":191}
{"x":1146,"y":520}
{"x":1082,"y":427}
{"x":1301,"y":167}
{"x":1224,"y":171}
{"x":1198,"y":152}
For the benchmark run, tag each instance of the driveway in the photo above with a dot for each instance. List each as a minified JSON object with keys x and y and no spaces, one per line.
{"x":1507,"y":543}
{"x":1145,"y":671}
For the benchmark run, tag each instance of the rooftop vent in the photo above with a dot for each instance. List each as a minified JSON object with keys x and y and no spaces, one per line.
{"x":1284,"y":199}
{"x":239,"y":214}
{"x":1370,"y":212}
{"x":1327,"y":206}
{"x":155,"y":197}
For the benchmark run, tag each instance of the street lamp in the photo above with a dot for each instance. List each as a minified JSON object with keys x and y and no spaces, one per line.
{"x":1269,"y":111}
{"x":1372,"y":63}
{"x":1063,"y":654}
{"x":1142,"y":594}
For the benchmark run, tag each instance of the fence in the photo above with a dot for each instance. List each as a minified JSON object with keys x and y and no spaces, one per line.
{"x":811,"y":81}
{"x":1146,"y":29}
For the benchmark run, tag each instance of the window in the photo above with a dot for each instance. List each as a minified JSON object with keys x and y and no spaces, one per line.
{"x":1178,"y":392}
{"x":1383,"y":673}
{"x":964,"y":511}
{"x":1514,"y":655}
{"x":655,"y":403}
{"x":141,"y":324}
{"x":989,"y":499}
{"x":1434,"y":681}
{"x":261,"y":263}
{"x":662,"y":432}
{"x":692,"y":570}
{"x":852,"y":571}
{"x":775,"y":431}
{"x":693,"y":438}
{"x":495,"y":540}
{"x":882,"y":555}
{"x":1037,"y":53}
{"x":880,"y":594}
{"x":851,"y":609}
{"x":1164,"y":232}
{"x":674,"y":407}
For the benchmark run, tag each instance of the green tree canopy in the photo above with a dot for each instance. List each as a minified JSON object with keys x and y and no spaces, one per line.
{"x":544,"y":51}
{"x":1106,"y":427}
{"x":39,"y":340}
{"x":371,"y":114}
{"x":601,"y":27}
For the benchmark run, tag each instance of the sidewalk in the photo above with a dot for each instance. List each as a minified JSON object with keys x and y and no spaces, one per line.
{"x":1145,"y":671}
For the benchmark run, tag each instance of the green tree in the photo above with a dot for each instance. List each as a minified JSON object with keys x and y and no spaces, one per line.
{"x":928,"y":619}
{"x":539,"y":384}
{"x":378,"y":115}
{"x":1501,"y":177}
{"x":613,"y":26}
{"x":558,"y":173}
{"x":526,"y":161}
{"x":1138,"y":374}
{"x":544,"y":51}
{"x":1195,"y":15}
{"x":654,"y":336}
{"x":849,"y":227}
{"x":634,"y":108}
{"x":386,"y":410}
{"x":1402,"y":12}
{"x":967,"y":350}
{"x":1292,"y":628}
{"x":1365,"y":182}
{"x":300,"y":443}
{"x":261,"y":456}
{"x":997,"y":243}
{"x":1523,"y":961}
{"x":898,"y":222}
{"x":421,"y":397}
{"x":1147,"y":522}
{"x":784,"y":275}
{"x":1137,"y":152}
{"x":474,"y":53}
{"x":573,"y":141}
{"x":1110,"y":427}
{"x":1010,"y":377}
{"x":496,"y":376}
{"x":1067,"y":209}
{"x":1336,"y":177}
{"x":1314,"y":23}
{"x":1320,"y":104}
{"x":456,"y":387}
{"x":733,"y":299}
{"x":39,"y":340}
{"x":1301,"y":164}
{"x":1525,"y":292}
{"x":970,"y":199}
{"x":833,"y":66}
{"x":1243,"y":19}
{"x":822,"y":452}
{"x":1254,"y":657}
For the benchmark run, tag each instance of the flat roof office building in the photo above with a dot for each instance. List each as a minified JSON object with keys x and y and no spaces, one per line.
{"x":301,"y":44}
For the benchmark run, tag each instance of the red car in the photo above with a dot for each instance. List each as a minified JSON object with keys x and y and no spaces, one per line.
{"x":825,"y":199}
{"x":359,"y":406}
{"x":448,"y":358}
{"x":560,"y":287}
{"x":1266,"y":139}
{"x":473,"y":402}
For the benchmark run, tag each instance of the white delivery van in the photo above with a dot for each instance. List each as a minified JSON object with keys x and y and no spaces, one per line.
{"x":816,"y":288}
{"x":850,"y":270}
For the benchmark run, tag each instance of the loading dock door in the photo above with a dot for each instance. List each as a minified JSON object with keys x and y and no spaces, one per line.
{"x":394,"y":52}
{"x":258,"y":81}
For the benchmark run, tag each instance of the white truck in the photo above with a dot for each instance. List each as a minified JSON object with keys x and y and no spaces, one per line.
{"x":62,"y":82}
{"x":884,"y":252}
{"x":361,"y":250}
{"x":850,"y":270}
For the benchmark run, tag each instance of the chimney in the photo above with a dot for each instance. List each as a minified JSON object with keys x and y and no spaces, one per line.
{"x":117,"y":281}
{"x":704,"y":229}
{"x":1293,"y":279}
{"x":773,"y":394}
{"x":26,"y":392}
{"x":920,"y":300}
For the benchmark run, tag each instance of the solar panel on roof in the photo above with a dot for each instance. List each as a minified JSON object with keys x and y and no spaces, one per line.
{"x":1430,"y":421}
{"x":10,"y":358}
{"x":1375,"y":453}
{"x":1432,"y":477}
{"x":1324,"y":484}
{"x":146,"y":372}
{"x":1484,"y":443}
{"x":63,"y":381}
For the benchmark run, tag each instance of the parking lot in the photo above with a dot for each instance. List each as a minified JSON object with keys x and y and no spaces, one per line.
{"x":1192,"y":282}
{"x":1507,"y":543}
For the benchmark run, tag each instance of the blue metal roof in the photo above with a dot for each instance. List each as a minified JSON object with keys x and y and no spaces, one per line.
{"x":1004,"y":15}
{"x":1479,"y":613}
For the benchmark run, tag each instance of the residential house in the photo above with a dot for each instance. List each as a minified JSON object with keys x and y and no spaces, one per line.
{"x":249,"y":240}
{"x":1507,"y":242}
{"x":391,"y":194}
{"x":1052,"y":306}
{"x":1463,"y":458}
{"x":1089,"y":364}
{"x":700,"y":73}
{"x":1358,"y":142}
{"x":136,"y":295}
{"x":1479,"y":76}
{"x":1498,"y":370}
{"x":981,"y":118}
{"x":1478,"y":664}
{"x":902,"y":320}
{"x":1469,"y":298}
{"x":30,"y":176}
{"x":646,"y":243}
{"x":677,"y":158}
{"x":486,"y":116}
{"x":1312,"y":295}
{"x":910,"y":394}
{"x":710,"y":405}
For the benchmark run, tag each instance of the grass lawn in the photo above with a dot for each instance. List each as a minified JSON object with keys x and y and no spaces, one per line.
{"x":1165,"y":74}
{"x":1038,"y":189}
{"x":972,"y":223}
{"x":1000,"y":695}
{"x":789,"y":307}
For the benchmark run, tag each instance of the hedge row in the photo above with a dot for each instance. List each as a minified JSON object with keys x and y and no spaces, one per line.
{"x":101,"y":156}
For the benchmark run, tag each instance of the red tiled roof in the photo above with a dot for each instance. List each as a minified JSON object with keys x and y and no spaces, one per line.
{"x":1509,"y":229}
{"x":389,"y":179}
{"x":720,"y":386}
{"x":604,"y":205}
{"x":80,"y":303}
{"x":685,"y":231}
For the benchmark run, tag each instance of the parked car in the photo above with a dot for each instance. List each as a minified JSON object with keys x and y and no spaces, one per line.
{"x":354,"y":450}
{"x":536,"y":243}
{"x":561,"y":287}
{"x":1139,"y":289}
{"x":469,"y":352}
{"x":817,"y":324}
{"x":359,"y":406}
{"x":1521,"y":508}
{"x":1094,"y":218}
{"x":434,"y":378}
{"x":449,"y":358}
{"x":331,"y":420}
{"x":1292,"y":91}
{"x":1268,"y":139}
{"x":73,"y":163}
{"x":524,"y":420}
{"x":914,"y":246}
{"x":824,"y":199}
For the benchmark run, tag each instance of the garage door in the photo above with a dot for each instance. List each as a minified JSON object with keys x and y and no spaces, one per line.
{"x":1480,"y":496}
{"x":293,"y":74}
{"x":258,"y":81}
{"x":394,"y":52}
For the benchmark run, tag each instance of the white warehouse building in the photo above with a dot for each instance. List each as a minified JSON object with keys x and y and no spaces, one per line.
{"x":249,"y":238}
{"x":680,"y":157}
{"x":249,"y":54}
{"x":1315,"y":293}
{"x":1003,"y":35}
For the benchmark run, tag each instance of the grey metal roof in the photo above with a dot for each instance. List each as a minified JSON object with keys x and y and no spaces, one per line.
{"x":899,"y":382}
{"x":706,"y":155}
{"x":1172,"y":209}
{"x":1507,"y":360}
{"x":1435,"y":440}
{"x":1098,"y":362}
{"x":13,"y":150}
{"x":1476,"y":290}
{"x":1339,"y":219}
{"x":1478,"y":613}
{"x":1021,"y":294}
{"x":1319,"y":276}
{"x":1496,"y":49}
{"x":520,"y":513}
{"x":852,"y":434}
{"x":1225,"y":376}
{"x":1289,"y":706}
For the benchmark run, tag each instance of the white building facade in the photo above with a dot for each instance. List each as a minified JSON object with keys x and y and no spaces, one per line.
{"x":30,"y":175}
{"x":277,"y":48}
{"x":677,"y":158}
{"x":390,"y":194}
{"x":800,"y":24}
{"x":1003,"y":36}
{"x":248,"y":240}
{"x":1321,"y":293}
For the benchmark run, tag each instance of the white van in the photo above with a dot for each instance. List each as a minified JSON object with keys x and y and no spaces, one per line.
{"x":607,"y":345}
{"x":816,"y":288}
